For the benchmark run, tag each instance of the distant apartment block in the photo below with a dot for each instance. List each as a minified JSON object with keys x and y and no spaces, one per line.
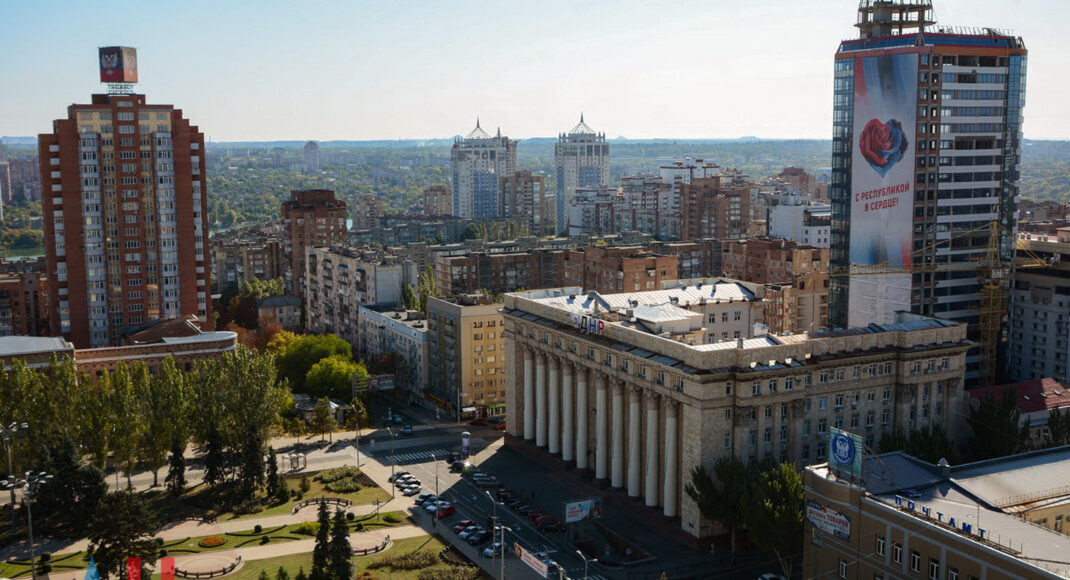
{"x":466,"y":349}
{"x":796,"y":278}
{"x":366,"y":213}
{"x":497,"y":272}
{"x":23,"y":304}
{"x":389,"y":330}
{"x":1039,"y":344}
{"x":437,"y":201}
{"x":282,"y":310}
{"x":715,"y":207}
{"x":479,"y":162}
{"x":312,"y":219}
{"x":793,"y":218}
{"x":617,"y":269}
{"x":523,"y":200}
{"x":581,"y":157}
{"x":246,"y":254}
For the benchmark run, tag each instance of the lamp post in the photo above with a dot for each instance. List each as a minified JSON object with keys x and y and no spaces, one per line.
{"x":356,"y":426}
{"x":393,"y":486}
{"x":586,"y":563}
{"x":503,"y":549}
{"x":494,"y":530}
{"x":7,"y":432}
{"x":437,"y":498}
{"x":31,"y":481}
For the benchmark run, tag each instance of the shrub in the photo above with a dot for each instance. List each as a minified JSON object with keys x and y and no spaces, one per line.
{"x":448,"y":573}
{"x":391,"y":518}
{"x":258,"y":528}
{"x":307,"y":528}
{"x":348,"y":485}
{"x":337,"y":473}
{"x":305,"y":484}
{"x":163,"y":552}
{"x":159,"y":542}
{"x":44,"y":568}
{"x":349,"y":516}
{"x":413,"y":561}
{"x":265,"y":539}
{"x":44,"y":557}
{"x":211,"y":542}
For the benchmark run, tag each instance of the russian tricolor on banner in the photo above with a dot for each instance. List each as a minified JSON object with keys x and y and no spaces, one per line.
{"x":167,"y":569}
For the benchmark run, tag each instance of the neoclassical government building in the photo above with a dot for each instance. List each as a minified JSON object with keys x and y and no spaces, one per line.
{"x":637,"y":389}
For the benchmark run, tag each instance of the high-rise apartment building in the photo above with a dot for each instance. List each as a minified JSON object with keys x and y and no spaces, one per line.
{"x":312,"y":157}
{"x":927,"y":126}
{"x":1040,"y":309}
{"x":466,"y":354}
{"x":312,"y":219}
{"x":438,"y":201}
{"x":126,"y":232}
{"x":582,"y":160}
{"x":479,"y":163}
{"x":523,"y":200}
{"x":715,"y":207}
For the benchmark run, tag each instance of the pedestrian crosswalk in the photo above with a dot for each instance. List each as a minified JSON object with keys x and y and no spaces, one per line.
{"x":578,"y":573}
{"x":415,"y":457}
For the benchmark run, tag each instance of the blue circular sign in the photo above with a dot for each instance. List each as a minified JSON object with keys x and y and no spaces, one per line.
{"x":843,"y":449}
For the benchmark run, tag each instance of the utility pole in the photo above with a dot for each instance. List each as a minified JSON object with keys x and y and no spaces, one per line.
{"x":30,"y":482}
{"x":7,"y":433}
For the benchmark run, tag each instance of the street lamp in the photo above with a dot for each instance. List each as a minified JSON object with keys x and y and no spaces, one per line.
{"x":586,"y":562}
{"x":493,"y":530}
{"x":393,"y":467}
{"x":434,"y":458}
{"x":31,"y":481}
{"x":356,"y":425}
{"x":7,"y":432}
{"x":503,"y":527}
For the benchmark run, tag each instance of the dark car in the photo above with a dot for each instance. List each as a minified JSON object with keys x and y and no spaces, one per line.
{"x":524,"y":509}
{"x":548,"y":524}
{"x":496,"y":420}
{"x":462,"y":525}
{"x":478,"y":538}
{"x":406,"y":430}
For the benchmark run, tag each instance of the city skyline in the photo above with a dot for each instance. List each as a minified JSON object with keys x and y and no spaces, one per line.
{"x":530,"y":70}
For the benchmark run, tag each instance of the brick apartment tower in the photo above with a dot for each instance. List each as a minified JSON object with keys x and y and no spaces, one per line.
{"x":124,"y":190}
{"x":312,"y":218}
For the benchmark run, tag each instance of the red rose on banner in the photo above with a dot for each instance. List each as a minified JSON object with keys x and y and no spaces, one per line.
{"x":876,"y":138}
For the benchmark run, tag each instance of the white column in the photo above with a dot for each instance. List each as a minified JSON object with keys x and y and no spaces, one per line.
{"x":617,"y":465}
{"x":582,"y":415}
{"x":529,"y":394}
{"x":601,"y":433}
{"x":670,"y":492}
{"x":568,"y":446}
{"x":633,"y":443}
{"x":540,"y":399}
{"x":555,"y":405}
{"x":651,"y":449}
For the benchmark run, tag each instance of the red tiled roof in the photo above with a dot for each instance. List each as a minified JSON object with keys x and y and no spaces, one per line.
{"x":1032,"y":396}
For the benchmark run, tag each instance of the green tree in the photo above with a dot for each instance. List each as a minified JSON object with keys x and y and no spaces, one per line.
{"x":252,"y":464}
{"x":258,"y":289}
{"x":72,"y":497}
{"x":340,"y":550}
{"x":276,"y":487}
{"x":300,"y":355}
{"x":1058,"y":427}
{"x":122,"y":528}
{"x":321,"y":552}
{"x":168,"y":407}
{"x":176,"y":473}
{"x":723,"y":500}
{"x":409,"y":298}
{"x":334,"y":377}
{"x":99,"y":417}
{"x":775,"y":513}
{"x":215,"y":463}
{"x":128,"y":394}
{"x":997,"y":431}
{"x":427,"y":286}
{"x":282,"y":574}
{"x":323,"y":421}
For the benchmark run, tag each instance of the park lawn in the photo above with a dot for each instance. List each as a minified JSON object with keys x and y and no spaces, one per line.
{"x":251,"y":569}
{"x":60,"y":563}
{"x":193,"y":501}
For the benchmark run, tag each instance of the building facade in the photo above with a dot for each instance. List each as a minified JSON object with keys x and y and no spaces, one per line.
{"x":479,"y":162}
{"x":437,"y":201}
{"x":905,"y":518}
{"x":793,"y":217}
{"x":524,"y":201}
{"x":1040,"y":309}
{"x":23,"y":304}
{"x":947,"y":103}
{"x":385,"y":330}
{"x":311,"y":219}
{"x":466,"y":356}
{"x":126,"y":234}
{"x":617,"y":269}
{"x":247,"y":254}
{"x":582,"y":160}
{"x":619,"y":389}
{"x":312,"y":157}
{"x":715,"y":207}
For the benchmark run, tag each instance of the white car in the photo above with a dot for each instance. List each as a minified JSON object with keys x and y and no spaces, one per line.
{"x":397,"y":475}
{"x":493,"y":550}
{"x":411,"y":491}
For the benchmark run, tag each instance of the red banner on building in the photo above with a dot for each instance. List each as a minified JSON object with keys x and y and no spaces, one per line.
{"x":133,"y":569}
{"x":167,"y":569}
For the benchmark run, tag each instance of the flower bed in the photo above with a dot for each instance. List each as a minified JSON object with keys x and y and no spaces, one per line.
{"x":212,"y":542}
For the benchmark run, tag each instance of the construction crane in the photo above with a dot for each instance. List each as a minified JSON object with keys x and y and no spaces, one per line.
{"x":993,"y":276}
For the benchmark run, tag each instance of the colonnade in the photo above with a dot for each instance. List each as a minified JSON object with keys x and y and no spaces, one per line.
{"x":634,"y":452}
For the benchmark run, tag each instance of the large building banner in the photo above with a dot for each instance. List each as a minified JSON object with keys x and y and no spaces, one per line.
{"x":882,"y":186}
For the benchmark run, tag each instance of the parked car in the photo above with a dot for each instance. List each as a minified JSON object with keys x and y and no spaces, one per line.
{"x":500,"y":426}
{"x":486,"y":481}
{"x":446,"y":510}
{"x":411,"y":491}
{"x":496,"y":420}
{"x":461,"y":525}
{"x":525,"y":509}
{"x":424,"y":496}
{"x":549,"y":524}
{"x":479,"y":537}
{"x":426,"y":500}
{"x":407,"y":482}
{"x":467,"y":532}
{"x":480,"y":422}
{"x":406,"y":430}
{"x":493,"y":550}
{"x":394,"y":476}
{"x":430,"y":506}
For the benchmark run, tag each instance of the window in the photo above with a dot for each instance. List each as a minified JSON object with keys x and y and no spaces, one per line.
{"x":756,"y":388}
{"x":822,"y":403}
{"x":880,"y":545}
{"x":897,"y":553}
{"x":952,"y":574}
{"x":915,"y":561}
{"x":843,"y":568}
{"x":934,"y":569}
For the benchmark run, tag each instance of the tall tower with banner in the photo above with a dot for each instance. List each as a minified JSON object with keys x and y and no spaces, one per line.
{"x":927,"y":130}
{"x":124,"y":188}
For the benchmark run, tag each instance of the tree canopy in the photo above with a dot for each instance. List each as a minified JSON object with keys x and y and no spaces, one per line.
{"x":300,"y":355}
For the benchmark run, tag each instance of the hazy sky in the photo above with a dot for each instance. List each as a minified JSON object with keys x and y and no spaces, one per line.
{"x":267,"y":69}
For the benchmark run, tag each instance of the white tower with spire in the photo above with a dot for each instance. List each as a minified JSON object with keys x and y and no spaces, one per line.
{"x":479,"y":163}
{"x":582,"y":160}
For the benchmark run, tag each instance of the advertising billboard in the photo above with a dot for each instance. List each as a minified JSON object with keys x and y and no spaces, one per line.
{"x":828,"y":520}
{"x":882,"y":186}
{"x":531,"y":560}
{"x":118,"y":64}
{"x":584,"y":509}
